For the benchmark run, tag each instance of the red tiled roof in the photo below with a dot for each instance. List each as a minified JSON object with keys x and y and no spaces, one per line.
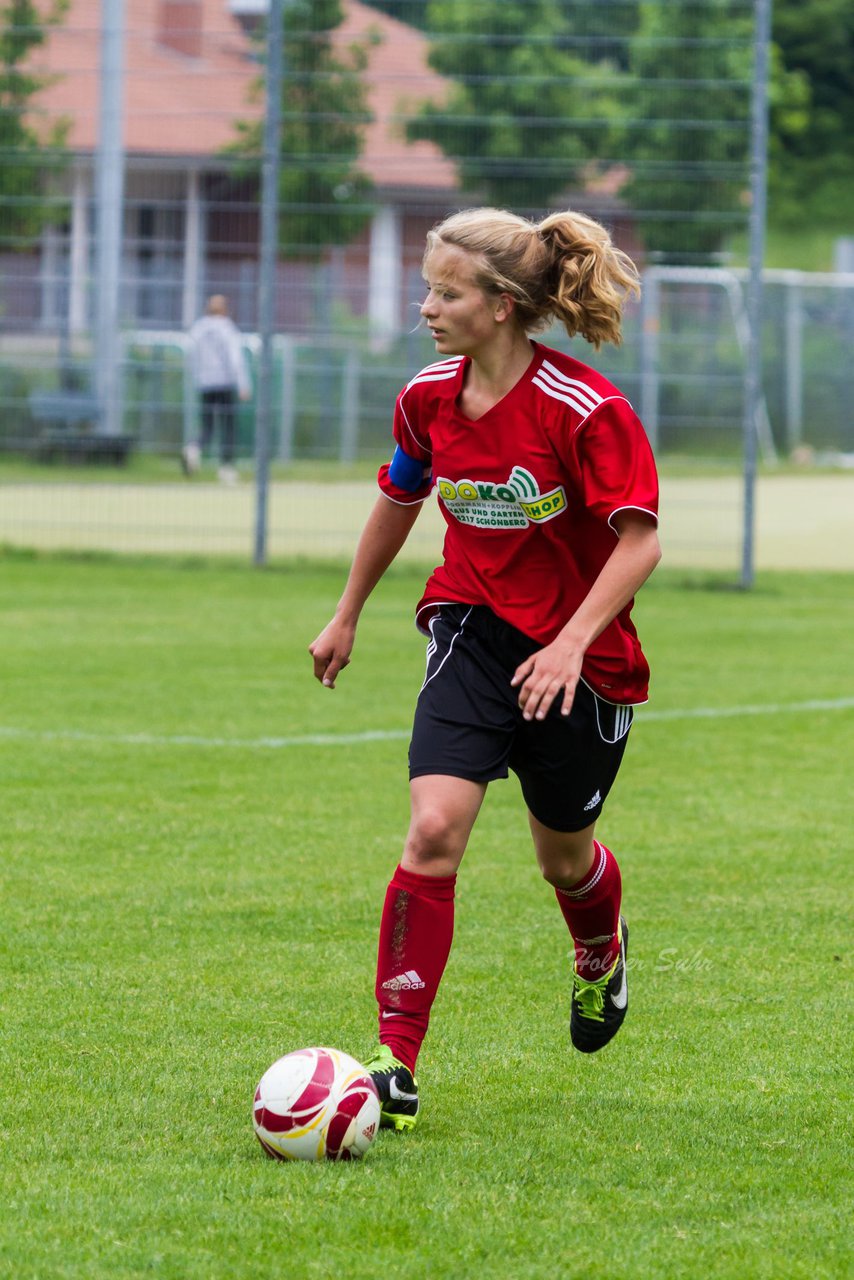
{"x":174,"y":104}
{"x":186,"y":106}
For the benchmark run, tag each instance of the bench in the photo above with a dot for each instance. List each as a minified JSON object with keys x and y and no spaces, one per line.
{"x":69,"y":422}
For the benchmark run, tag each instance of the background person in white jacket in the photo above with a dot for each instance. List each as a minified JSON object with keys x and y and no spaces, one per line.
{"x":221,"y":375}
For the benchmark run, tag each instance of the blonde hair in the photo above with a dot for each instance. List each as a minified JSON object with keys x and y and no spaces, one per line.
{"x":564,"y":268}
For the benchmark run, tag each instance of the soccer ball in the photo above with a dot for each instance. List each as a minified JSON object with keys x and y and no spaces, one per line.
{"x":316,"y":1104}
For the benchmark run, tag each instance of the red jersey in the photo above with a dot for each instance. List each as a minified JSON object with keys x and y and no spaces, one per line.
{"x":529,"y":492}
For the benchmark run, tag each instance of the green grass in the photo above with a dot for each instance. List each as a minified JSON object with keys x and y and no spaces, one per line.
{"x":810,"y":246}
{"x":178,"y":914}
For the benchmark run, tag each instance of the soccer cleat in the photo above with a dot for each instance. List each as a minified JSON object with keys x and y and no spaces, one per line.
{"x":397,"y":1088}
{"x":598,"y":1008}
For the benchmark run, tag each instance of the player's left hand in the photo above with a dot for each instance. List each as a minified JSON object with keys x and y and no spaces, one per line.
{"x":541,"y":678}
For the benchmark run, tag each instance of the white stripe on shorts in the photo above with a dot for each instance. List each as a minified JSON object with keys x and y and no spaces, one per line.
{"x":435,"y":647}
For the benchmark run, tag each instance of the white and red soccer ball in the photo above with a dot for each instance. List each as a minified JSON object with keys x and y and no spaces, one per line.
{"x":316,"y":1104}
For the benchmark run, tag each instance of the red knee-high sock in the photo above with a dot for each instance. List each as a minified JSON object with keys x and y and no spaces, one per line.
{"x":415,"y":939}
{"x":591,"y":909}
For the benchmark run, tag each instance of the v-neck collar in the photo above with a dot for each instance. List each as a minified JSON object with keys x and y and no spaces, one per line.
{"x":525,"y":376}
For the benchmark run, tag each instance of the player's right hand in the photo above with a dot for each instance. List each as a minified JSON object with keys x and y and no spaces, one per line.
{"x":331,"y":651}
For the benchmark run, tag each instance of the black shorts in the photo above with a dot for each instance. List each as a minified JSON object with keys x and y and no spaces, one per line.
{"x":468,"y":723}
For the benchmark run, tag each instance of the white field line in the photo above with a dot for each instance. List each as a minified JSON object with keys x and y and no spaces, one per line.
{"x":390,"y":735}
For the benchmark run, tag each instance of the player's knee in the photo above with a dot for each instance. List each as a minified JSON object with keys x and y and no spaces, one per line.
{"x":434,"y":836}
{"x":560,"y":877}
{"x":562,"y":865}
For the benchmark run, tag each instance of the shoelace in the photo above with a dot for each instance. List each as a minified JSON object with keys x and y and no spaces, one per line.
{"x":590,"y":998}
{"x":382,"y":1066}
{"x":383,"y":1070}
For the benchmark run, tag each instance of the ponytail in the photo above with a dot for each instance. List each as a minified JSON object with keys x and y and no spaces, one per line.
{"x":591,"y":278}
{"x":565,"y":268}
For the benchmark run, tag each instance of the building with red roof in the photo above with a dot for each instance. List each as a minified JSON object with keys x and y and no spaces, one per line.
{"x":191,"y":217}
{"x":191,"y":222}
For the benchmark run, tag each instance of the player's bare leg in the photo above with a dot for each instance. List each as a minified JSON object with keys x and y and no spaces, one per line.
{"x":564,"y":857}
{"x":443,"y":812}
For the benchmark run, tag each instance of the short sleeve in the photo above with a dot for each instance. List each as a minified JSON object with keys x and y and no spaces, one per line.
{"x":616,"y":463}
{"x":407,"y":477}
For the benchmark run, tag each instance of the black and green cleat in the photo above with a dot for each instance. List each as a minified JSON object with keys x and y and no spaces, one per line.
{"x":397,"y":1088}
{"x":598,"y":1008}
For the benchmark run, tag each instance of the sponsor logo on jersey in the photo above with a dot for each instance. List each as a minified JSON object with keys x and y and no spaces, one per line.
{"x":514,"y":505}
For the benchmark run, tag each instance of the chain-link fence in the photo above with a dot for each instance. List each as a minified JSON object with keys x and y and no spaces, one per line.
{"x":393,"y":114}
{"x":681,"y":364}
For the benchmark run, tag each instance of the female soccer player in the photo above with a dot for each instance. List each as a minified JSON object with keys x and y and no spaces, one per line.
{"x":548,"y":487}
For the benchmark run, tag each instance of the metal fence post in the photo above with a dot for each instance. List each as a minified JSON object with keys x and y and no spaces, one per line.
{"x":794,"y":372}
{"x":267,"y":281}
{"x":109,"y":190}
{"x":288,"y":356}
{"x":650,"y":328}
{"x":758,"y":192}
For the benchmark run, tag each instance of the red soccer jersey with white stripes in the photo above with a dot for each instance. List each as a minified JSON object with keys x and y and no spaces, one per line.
{"x":529,"y":491}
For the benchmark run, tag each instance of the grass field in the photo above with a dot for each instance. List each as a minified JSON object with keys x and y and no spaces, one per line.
{"x":196,"y":842}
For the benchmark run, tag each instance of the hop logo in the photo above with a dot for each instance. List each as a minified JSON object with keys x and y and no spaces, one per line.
{"x":523,"y":483}
{"x":514,"y":505}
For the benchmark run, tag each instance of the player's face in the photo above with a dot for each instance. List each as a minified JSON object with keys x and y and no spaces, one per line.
{"x":462,"y":318}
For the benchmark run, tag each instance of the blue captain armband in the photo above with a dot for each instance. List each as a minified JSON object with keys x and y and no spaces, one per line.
{"x":407,"y":473}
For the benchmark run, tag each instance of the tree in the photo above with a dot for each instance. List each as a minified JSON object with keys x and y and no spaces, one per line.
{"x":687,"y":141}
{"x":412,"y":12}
{"x":27,"y":155}
{"x":812,"y":112}
{"x":524,"y":118}
{"x":604,"y":30}
{"x":324,"y":197}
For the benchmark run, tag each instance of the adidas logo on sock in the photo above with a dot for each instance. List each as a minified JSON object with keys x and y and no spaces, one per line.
{"x":409,"y":981}
{"x":593,"y":801}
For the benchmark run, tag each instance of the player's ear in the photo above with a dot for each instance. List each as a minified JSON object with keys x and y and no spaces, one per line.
{"x":504,"y":307}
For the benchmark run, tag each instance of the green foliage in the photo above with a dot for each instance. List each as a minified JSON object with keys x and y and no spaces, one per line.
{"x":688,"y":146}
{"x":412,"y":12}
{"x":546,"y":96}
{"x":15,"y":420}
{"x":323,"y":195}
{"x":603,"y":28}
{"x":817,"y":40}
{"x":812,"y":118}
{"x":29,"y":157}
{"x":541,"y":91}
{"x":789,"y":110}
{"x":517,"y":81}
{"x":183,"y":901}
